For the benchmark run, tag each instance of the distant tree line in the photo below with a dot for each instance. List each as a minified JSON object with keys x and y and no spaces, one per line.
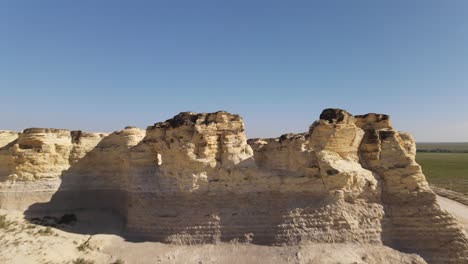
{"x":437,"y":150}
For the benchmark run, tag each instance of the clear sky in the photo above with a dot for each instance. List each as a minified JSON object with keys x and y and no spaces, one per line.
{"x":103,"y":65}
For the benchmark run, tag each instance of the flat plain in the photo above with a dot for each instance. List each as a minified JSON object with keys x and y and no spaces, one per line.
{"x":445,"y":165}
{"x":443,"y":147}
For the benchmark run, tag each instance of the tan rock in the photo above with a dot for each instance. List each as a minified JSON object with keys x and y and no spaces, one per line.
{"x":196,"y":179}
{"x":206,"y":144}
{"x":416,"y":221}
{"x":7,"y":138}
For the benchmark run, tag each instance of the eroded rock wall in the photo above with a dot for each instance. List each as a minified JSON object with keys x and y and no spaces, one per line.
{"x":416,"y":221}
{"x":54,"y":168}
{"x":6,"y":159}
{"x":196,"y":179}
{"x":208,"y":186}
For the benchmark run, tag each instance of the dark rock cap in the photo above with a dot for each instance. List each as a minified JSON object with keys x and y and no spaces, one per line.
{"x":191,"y":118}
{"x":33,"y":130}
{"x":378,"y":117}
{"x":334,"y":115}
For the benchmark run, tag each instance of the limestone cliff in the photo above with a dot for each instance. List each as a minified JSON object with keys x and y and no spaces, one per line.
{"x":195,"y":178}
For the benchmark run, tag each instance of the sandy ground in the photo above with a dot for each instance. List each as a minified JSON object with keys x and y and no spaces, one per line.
{"x":21,"y":247}
{"x":23,"y":243}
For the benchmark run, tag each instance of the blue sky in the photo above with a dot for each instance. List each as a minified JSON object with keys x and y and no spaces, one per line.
{"x":102,"y":65}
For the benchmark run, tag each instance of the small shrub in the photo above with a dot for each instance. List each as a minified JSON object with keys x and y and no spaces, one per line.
{"x":45,"y":232}
{"x":4,"y":223}
{"x":84,"y":246}
{"x":82,"y":261}
{"x":118,"y":261}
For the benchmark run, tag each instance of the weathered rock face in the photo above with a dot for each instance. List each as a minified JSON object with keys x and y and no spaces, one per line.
{"x":212,"y":147}
{"x":416,"y":221}
{"x":196,"y":179}
{"x":6,"y":160}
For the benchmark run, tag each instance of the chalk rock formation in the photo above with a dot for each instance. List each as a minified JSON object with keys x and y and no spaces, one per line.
{"x":6,"y":160}
{"x":195,"y":178}
{"x":415,"y":219}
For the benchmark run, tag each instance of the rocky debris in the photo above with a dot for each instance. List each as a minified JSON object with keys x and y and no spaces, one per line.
{"x":196,"y":179}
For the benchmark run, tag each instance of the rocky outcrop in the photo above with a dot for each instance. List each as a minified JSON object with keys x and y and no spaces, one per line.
{"x":195,"y":178}
{"x":6,"y":160}
{"x":207,"y":187}
{"x":416,"y":222}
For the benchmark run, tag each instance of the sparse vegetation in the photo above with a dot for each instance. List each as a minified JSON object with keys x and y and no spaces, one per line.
{"x":118,"y":261}
{"x":7,"y":225}
{"x":4,"y":223}
{"x":84,"y":246}
{"x":45,"y":231}
{"x":82,"y":261}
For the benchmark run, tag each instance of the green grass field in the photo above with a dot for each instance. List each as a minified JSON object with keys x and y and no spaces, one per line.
{"x":455,"y":147}
{"x":445,"y":170}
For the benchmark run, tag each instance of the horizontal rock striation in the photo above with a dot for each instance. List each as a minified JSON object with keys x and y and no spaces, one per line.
{"x":195,"y":178}
{"x":416,"y":220}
